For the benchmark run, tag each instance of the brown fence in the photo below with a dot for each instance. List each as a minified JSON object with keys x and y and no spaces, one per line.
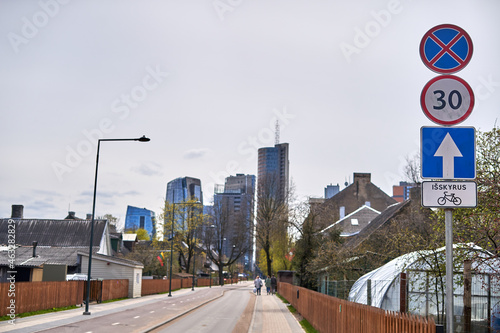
{"x":104,"y":290}
{"x":330,"y":314}
{"x":150,"y":287}
{"x":114,"y":289}
{"x":34,"y":296}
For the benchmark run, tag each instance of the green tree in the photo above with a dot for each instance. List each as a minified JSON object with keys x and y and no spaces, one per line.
{"x":272,"y":220}
{"x":481,"y":225}
{"x":142,"y":234}
{"x":187,"y":219}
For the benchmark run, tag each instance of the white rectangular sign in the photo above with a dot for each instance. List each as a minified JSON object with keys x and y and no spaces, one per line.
{"x":442,"y":194}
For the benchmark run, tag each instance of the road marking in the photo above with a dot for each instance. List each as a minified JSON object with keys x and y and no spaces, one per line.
{"x":151,"y":311}
{"x":136,"y":317}
{"x":114,"y":324}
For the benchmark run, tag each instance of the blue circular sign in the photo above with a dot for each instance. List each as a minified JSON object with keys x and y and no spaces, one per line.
{"x":446,"y":49}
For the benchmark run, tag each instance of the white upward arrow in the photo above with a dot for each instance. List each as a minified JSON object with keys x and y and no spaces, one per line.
{"x":448,"y":150}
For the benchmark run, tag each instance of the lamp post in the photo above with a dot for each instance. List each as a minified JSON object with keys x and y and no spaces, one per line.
{"x":194,"y":261}
{"x":141,"y":139}
{"x":171,"y":247}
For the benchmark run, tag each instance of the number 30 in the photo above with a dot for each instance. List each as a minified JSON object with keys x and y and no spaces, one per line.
{"x":450,"y":99}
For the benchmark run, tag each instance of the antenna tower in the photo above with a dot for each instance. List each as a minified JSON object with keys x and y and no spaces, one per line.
{"x":277,"y":132}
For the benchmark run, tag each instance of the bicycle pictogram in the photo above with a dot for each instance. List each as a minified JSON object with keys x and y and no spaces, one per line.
{"x":449,"y":197}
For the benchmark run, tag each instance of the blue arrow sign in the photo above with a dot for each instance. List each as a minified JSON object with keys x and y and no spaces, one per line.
{"x":448,"y":153}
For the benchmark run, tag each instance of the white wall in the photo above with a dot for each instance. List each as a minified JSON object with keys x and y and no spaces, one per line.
{"x":101,"y":270}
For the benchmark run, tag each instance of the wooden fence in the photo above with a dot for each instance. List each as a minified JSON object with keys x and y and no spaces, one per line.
{"x":150,"y":287}
{"x":114,"y":289}
{"x":34,"y":296}
{"x":329,"y":314}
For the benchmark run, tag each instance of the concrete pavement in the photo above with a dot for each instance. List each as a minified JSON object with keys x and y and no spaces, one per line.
{"x":271,"y":315}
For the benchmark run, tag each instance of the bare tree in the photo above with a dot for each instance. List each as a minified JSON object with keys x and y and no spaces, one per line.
{"x":228,"y":233}
{"x":412,"y":169}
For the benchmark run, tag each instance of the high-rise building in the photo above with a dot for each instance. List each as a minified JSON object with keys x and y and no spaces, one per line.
{"x":238,"y":198}
{"x":402,"y":192}
{"x":183,"y":189}
{"x":331,"y":190}
{"x":180,"y":191}
{"x":140,"y":218}
{"x":273,"y":166}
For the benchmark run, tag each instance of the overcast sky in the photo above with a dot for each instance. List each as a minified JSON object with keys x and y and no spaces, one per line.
{"x":206,"y":81}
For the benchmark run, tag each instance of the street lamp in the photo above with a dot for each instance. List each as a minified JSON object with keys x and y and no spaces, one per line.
{"x":141,"y":139}
{"x":171,"y":247}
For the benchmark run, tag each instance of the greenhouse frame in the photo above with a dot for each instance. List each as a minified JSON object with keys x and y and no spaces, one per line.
{"x":424,"y":287}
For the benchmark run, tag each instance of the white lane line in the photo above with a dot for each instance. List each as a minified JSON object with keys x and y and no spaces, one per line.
{"x":136,"y":317}
{"x":152,"y":311}
{"x":114,"y":324}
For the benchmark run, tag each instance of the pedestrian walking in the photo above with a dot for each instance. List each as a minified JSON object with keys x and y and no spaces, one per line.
{"x":258,"y":284}
{"x":268,"y":284}
{"x":274,"y":284}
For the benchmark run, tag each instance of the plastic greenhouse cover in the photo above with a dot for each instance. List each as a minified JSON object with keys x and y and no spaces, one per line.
{"x":384,"y":276}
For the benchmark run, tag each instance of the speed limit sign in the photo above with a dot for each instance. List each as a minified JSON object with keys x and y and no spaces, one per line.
{"x":447,"y":100}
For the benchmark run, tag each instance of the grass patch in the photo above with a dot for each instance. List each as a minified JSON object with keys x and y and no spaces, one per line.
{"x":307,"y":327}
{"x":304,"y":323}
{"x":33,"y":313}
{"x":114,"y":300}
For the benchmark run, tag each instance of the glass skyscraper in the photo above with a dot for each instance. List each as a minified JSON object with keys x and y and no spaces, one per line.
{"x":140,"y":218}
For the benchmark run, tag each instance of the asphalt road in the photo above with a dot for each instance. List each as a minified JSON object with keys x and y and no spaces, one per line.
{"x":230,"y":313}
{"x":218,"y":309}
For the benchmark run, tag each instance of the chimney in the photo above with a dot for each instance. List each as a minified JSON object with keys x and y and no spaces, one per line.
{"x":362,"y":176}
{"x":17,"y":211}
{"x":89,"y":216}
{"x":35,"y":243}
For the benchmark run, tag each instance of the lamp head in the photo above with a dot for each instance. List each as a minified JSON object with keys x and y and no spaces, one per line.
{"x":143,"y":139}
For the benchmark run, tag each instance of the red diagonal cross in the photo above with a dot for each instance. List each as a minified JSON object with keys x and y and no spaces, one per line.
{"x":446,"y":48}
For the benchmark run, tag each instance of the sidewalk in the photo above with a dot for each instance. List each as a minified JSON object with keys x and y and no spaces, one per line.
{"x":271,"y":315}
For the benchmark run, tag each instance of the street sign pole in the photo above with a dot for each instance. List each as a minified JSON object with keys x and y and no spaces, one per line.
{"x":448,"y":220}
{"x":447,"y":100}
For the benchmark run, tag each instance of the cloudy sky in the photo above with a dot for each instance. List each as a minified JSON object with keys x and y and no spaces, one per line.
{"x":206,"y":81}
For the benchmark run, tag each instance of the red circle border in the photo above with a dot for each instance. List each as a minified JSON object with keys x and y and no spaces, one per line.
{"x":442,"y":122}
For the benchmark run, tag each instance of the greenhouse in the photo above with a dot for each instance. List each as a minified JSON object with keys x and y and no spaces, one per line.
{"x":423,"y":284}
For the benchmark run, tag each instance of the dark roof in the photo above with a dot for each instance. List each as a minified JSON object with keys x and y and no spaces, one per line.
{"x":376,"y":223}
{"x":362,"y":216}
{"x":56,"y":233}
{"x":48,"y":255}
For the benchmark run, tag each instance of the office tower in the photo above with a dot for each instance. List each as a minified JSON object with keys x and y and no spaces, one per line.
{"x":331,"y":190}
{"x":180,"y":191}
{"x":237,"y":197}
{"x":140,"y":218}
{"x":273,"y":167}
{"x":183,"y":189}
